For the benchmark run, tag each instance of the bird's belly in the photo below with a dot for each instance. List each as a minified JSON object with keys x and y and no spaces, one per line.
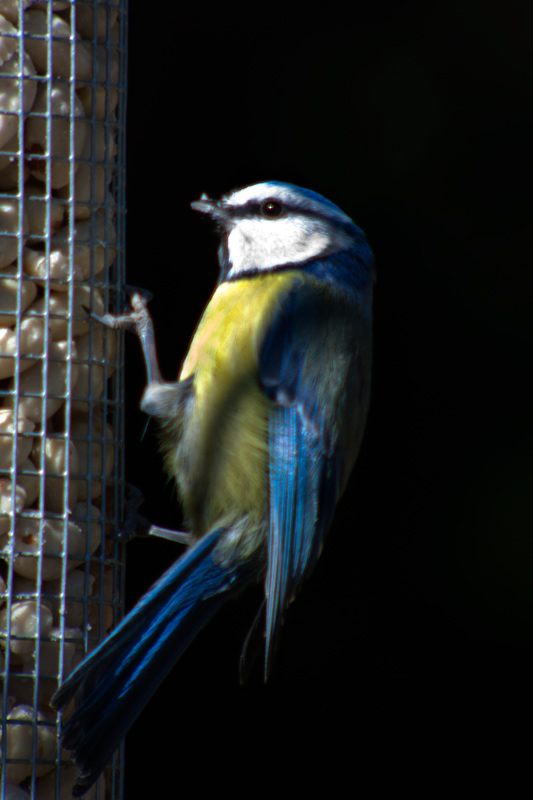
{"x":222,"y":463}
{"x":222,"y":459}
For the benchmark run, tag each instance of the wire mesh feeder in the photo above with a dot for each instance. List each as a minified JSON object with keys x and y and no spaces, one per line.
{"x":62,"y":203}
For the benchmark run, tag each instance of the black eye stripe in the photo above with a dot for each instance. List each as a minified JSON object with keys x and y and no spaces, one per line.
{"x":255,"y":208}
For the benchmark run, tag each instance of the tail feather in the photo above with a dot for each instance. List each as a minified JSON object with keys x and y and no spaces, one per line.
{"x":116,"y":681}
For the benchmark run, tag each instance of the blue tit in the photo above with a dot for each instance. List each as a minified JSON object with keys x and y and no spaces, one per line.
{"x":260,"y":432}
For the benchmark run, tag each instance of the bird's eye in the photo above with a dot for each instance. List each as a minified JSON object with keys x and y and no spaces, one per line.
{"x":271,"y":209}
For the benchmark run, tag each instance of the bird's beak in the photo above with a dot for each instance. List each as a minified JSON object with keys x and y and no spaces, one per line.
{"x":212,"y":207}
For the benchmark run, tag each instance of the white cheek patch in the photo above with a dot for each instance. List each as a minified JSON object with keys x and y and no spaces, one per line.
{"x":259,"y":244}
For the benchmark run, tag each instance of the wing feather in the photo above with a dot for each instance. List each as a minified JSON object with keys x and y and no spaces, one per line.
{"x":305,"y":449}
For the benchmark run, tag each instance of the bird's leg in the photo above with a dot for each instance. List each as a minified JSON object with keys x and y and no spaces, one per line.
{"x":139,"y":322}
{"x":181,"y":537}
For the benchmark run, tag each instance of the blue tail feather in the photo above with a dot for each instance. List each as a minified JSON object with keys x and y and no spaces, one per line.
{"x":116,"y":681}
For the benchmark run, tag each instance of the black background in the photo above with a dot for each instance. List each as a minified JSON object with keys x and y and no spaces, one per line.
{"x":413,"y":639}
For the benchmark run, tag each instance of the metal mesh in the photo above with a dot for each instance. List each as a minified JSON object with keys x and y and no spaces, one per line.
{"x":62,"y":206}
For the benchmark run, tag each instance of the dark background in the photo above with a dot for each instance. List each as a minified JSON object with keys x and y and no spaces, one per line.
{"x":413,"y":638}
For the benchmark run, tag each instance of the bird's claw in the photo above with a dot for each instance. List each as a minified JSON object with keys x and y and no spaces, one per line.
{"x":134,"y":524}
{"x":137,"y":320}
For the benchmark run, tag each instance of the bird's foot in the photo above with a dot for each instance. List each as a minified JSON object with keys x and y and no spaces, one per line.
{"x":136,"y":526}
{"x":139,"y":322}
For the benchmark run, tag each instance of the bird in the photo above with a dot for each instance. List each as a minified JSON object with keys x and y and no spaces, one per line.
{"x":260,"y":432}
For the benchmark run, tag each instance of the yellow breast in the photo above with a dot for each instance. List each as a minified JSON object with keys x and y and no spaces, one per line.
{"x":222,"y":460}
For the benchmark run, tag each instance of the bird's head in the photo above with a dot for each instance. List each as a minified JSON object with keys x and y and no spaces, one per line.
{"x":272,"y":225}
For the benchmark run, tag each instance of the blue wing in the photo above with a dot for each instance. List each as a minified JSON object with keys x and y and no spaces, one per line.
{"x":315,"y":366}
